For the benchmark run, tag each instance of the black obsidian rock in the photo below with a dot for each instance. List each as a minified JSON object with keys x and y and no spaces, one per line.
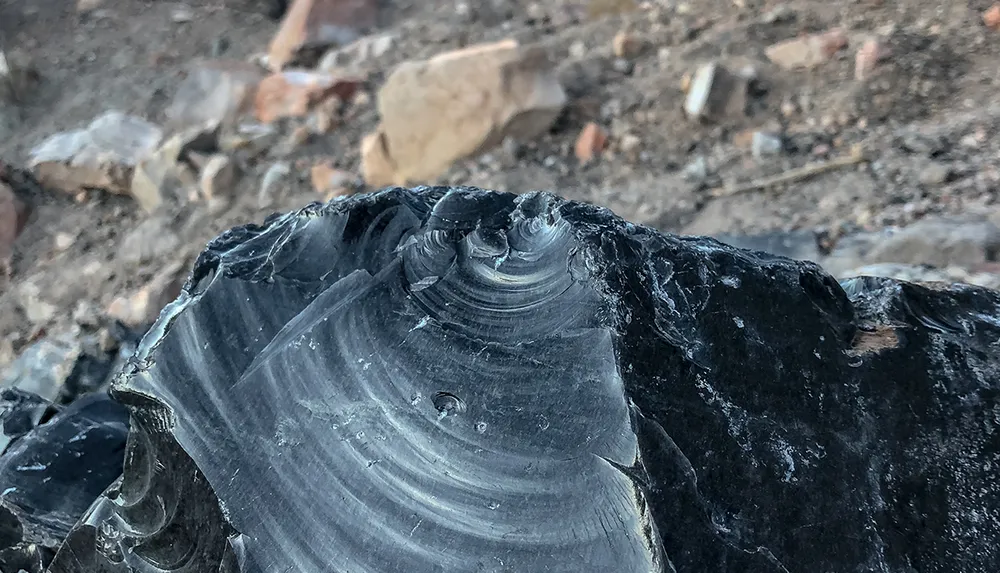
{"x":459,"y":380}
{"x":52,"y":473}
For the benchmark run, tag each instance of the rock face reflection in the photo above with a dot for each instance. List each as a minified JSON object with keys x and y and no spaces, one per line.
{"x":459,"y":380}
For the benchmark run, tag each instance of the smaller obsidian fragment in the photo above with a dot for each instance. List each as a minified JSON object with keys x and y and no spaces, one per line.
{"x":50,"y":475}
{"x":20,"y":412}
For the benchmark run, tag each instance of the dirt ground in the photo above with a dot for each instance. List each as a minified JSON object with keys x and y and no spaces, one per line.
{"x":925,"y":121}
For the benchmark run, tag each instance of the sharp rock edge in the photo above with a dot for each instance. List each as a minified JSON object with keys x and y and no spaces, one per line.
{"x":451,"y":379}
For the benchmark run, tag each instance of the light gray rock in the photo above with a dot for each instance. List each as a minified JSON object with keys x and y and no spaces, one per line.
{"x":965,"y":242}
{"x":715,"y":92}
{"x":101,"y":156}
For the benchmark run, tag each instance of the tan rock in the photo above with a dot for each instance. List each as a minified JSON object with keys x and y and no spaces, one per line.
{"x":218,"y":177}
{"x":331,"y":182}
{"x":319,"y":24}
{"x":459,"y":104}
{"x":626,"y":45}
{"x":143,"y":306}
{"x":102,"y":156}
{"x":377,"y":168}
{"x":807,"y":51}
{"x":868,"y":56}
{"x":591,"y":141}
{"x":214,"y":93}
{"x":13,"y":216}
{"x":161,"y":177}
{"x":293,"y":93}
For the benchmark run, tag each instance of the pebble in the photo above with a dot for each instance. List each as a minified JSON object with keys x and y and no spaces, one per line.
{"x":715,"y":92}
{"x":218,"y":178}
{"x":935,"y":174}
{"x":807,"y":51}
{"x":780,"y":13}
{"x":868,"y":55}
{"x":763,"y":143}
{"x":625,"y":45}
{"x":697,"y":170}
{"x":591,"y":142}
{"x":181,"y":15}
{"x":629,"y":143}
{"x":991,"y":17}
{"x":274,"y":179}
{"x":622,"y":66}
{"x":63,"y":241}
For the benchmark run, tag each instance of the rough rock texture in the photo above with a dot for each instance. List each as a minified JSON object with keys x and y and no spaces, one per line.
{"x":429,"y":121}
{"x":102,"y":156}
{"x":458,"y":380}
{"x":44,"y":367}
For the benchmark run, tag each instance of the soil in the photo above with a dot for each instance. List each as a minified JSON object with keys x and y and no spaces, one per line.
{"x":930,"y":107}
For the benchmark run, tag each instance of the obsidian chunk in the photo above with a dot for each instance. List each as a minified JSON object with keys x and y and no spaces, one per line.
{"x":457,"y":380}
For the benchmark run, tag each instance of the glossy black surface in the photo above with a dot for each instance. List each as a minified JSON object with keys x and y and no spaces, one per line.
{"x":457,"y":380}
{"x":52,"y":473}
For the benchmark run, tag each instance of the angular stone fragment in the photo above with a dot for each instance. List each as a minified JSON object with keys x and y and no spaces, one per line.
{"x":868,"y":56}
{"x":43,"y":368}
{"x":314,"y":25}
{"x":807,"y":51}
{"x":472,"y":374}
{"x":461,"y":103}
{"x":275,"y":181}
{"x":591,"y":141}
{"x":991,"y":17}
{"x":214,"y":93}
{"x":101,"y":156}
{"x":52,"y":474}
{"x":20,"y":412}
{"x":161,"y":178}
{"x":218,"y":177}
{"x":714,"y":93}
{"x":294,"y":93}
